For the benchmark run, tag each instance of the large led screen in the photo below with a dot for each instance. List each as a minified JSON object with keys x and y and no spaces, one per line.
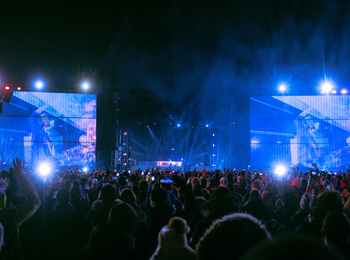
{"x":55,"y":127}
{"x":300,"y":131}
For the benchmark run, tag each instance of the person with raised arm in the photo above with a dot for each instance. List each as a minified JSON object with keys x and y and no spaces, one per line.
{"x":13,"y":217}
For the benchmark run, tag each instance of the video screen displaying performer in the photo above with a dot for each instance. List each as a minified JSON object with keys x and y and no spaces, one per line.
{"x":58,"y":127}
{"x":300,"y":131}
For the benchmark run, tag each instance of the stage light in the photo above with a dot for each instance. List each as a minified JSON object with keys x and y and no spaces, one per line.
{"x":7,"y":88}
{"x":282,"y":88}
{"x":334,"y":92}
{"x":19,"y":88}
{"x":206,"y":125}
{"x":39,"y":84}
{"x":344,"y":91}
{"x":213,"y":134}
{"x":327,"y":86}
{"x":44,"y":169}
{"x":85,"y":169}
{"x":85,"y":85}
{"x":178,"y":125}
{"x":280,"y":170}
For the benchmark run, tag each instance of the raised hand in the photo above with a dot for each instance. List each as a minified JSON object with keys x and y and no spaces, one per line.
{"x":18,"y":170}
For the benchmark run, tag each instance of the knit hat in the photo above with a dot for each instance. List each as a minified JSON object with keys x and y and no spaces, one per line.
{"x":195,"y":180}
{"x":173,"y":235}
{"x":344,"y":183}
{"x":257,"y":184}
{"x":296,"y":183}
{"x":223,"y":182}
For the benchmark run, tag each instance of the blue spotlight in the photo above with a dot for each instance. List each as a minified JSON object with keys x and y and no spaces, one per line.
{"x":282,"y":87}
{"x":327,"y":87}
{"x":85,"y":85}
{"x":280,"y":170}
{"x":85,"y":169}
{"x":39,"y":84}
{"x":206,"y":125}
{"x":344,"y":91}
{"x":178,"y":125}
{"x":44,"y":169}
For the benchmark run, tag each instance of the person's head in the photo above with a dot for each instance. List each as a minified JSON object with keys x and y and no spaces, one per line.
{"x":223,"y":182}
{"x":143,"y":186}
{"x":309,"y":123}
{"x":327,"y":202}
{"x":336,"y":229}
{"x":44,"y":121}
{"x":173,"y":235}
{"x":222,"y":202}
{"x":195,"y":180}
{"x":63,"y":196}
{"x":122,"y":217}
{"x":108,"y":194}
{"x":122,"y":181}
{"x":128,"y":195}
{"x":230,"y":237}
{"x":197,"y":190}
{"x":257,"y":184}
{"x":159,"y":197}
{"x":306,"y":200}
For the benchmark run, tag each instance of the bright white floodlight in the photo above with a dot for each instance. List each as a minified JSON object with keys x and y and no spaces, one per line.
{"x":44,"y":169}
{"x":327,"y":87}
{"x":280,"y":170}
{"x":39,"y":84}
{"x":344,"y":91}
{"x":85,"y":169}
{"x":282,"y":88}
{"x":85,"y":85}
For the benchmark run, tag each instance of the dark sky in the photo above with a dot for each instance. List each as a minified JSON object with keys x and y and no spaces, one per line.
{"x":178,"y":52}
{"x":177,"y":49}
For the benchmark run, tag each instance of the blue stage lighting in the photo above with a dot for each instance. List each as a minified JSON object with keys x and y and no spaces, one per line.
{"x":39,"y":84}
{"x":178,"y":125}
{"x":344,"y":91}
{"x":207,"y":125}
{"x":327,"y":87}
{"x":85,"y":85}
{"x":44,"y":169}
{"x":280,"y":170}
{"x":282,"y":87}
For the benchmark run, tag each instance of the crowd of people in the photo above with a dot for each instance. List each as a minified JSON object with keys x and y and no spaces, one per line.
{"x":173,"y":214}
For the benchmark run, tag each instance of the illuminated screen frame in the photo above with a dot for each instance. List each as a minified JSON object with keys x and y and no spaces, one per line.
{"x":300,"y":131}
{"x":47,"y":126}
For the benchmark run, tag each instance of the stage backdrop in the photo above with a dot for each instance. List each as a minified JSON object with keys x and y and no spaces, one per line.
{"x":300,"y":130}
{"x":56,"y":127}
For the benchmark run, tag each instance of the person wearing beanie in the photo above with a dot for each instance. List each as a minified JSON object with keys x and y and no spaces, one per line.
{"x":296,"y":183}
{"x":195,"y":180}
{"x":257,"y":184}
{"x":223,"y":182}
{"x":172,"y":242}
{"x":146,"y":231}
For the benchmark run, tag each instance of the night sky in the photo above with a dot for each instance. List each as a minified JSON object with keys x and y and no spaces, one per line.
{"x":178,"y":52}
